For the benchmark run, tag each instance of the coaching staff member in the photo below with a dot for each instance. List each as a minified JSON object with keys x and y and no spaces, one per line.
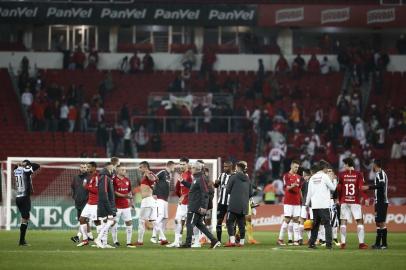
{"x":197,"y":206}
{"x":239,"y":188}
{"x":318,"y":198}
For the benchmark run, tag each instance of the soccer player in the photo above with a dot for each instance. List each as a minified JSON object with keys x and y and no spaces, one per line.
{"x":106,"y":207}
{"x":123,"y":197}
{"x":350,"y":191}
{"x":161,"y":193}
{"x":334,"y":210}
{"x":80,"y":196}
{"x":222,"y":196}
{"x":291,"y":203}
{"x":305,"y":212}
{"x":183,"y":193}
{"x":23,"y":176}
{"x":380,"y":187}
{"x":148,"y":203}
{"x":89,"y":212}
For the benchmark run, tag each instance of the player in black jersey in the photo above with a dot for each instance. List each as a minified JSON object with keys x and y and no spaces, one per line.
{"x":24,"y":188}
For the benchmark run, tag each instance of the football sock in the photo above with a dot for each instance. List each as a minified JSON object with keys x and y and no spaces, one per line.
{"x":79,"y":234}
{"x":23,"y":231}
{"x":335,"y":232}
{"x":296,"y":235}
{"x":343,"y":231}
{"x":232,"y":239}
{"x":141,"y":230}
{"x":242,"y":241}
{"x":219,"y":230}
{"x":282,"y":231}
{"x":361,"y":233}
{"x":129,"y":231}
{"x":378,"y":237}
{"x":83,"y":228}
{"x":301,"y":230}
{"x":290,"y":231}
{"x":322,"y":233}
{"x":154,"y":231}
{"x":309,"y":232}
{"x":384,"y":236}
{"x":196,"y":234}
{"x":90,"y":234}
{"x":114,"y":233}
{"x":249,"y":229}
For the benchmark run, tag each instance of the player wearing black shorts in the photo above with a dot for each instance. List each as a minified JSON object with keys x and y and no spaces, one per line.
{"x":24,"y":188}
{"x":381,"y":205}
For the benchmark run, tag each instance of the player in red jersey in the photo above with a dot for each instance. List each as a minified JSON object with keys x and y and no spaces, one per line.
{"x":123,"y":200}
{"x":350,"y":194}
{"x":89,"y":212}
{"x":291,"y":203}
{"x":182,"y":192}
{"x":149,"y":208}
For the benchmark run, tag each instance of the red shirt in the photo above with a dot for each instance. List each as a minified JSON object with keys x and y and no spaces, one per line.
{"x":292,"y":196}
{"x":349,"y":187}
{"x":92,"y":187}
{"x":181,"y":190}
{"x":122,"y":186}
{"x":146,"y":181}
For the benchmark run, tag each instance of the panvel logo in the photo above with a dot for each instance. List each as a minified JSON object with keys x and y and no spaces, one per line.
{"x":180,"y":14}
{"x":123,"y":14}
{"x":75,"y":13}
{"x":381,"y":15}
{"x":289,"y":15}
{"x":233,"y":15}
{"x":335,"y":15}
{"x":18,"y":12}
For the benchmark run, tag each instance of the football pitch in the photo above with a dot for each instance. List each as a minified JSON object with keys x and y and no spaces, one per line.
{"x":55,"y":250}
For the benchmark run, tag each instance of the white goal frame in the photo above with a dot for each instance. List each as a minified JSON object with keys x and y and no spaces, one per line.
{"x":216,"y":163}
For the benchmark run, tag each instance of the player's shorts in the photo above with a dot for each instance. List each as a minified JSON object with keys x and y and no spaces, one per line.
{"x":291,"y":210}
{"x":162,"y":208}
{"x":306,"y":212}
{"x":181,"y":212}
{"x":221,"y":211}
{"x":90,"y":212}
{"x":349,"y":210}
{"x":381,"y":210}
{"x":24,"y":206}
{"x":148,"y":202}
{"x":124,"y":214}
{"x":149,"y":213}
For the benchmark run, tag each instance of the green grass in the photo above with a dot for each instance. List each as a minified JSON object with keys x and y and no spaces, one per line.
{"x":54,"y":250}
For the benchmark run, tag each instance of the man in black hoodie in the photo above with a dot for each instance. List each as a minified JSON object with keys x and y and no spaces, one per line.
{"x":197,"y":206}
{"x":240,"y":191}
{"x":106,"y":207}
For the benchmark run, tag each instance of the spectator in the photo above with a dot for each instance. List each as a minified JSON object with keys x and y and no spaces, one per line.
{"x":298,"y":66}
{"x":156,"y":143}
{"x":93,"y":59}
{"x":79,"y":58}
{"x":295,"y":116}
{"x":325,"y":67}
{"x":206,"y":119}
{"x":208,"y":60}
{"x":128,"y":148}
{"x":72,"y":116}
{"x":84,"y":117}
{"x":27,"y":100}
{"x":401,"y":44}
{"x":124,"y":65}
{"x":141,"y":138}
{"x":348,"y":132}
{"x":102,"y":135}
{"x":176,"y":84}
{"x":281,"y":65}
{"x":100,"y":114}
{"x":188,"y":60}
{"x":275,"y":158}
{"x":313,"y":66}
{"x":360,"y":134}
{"x":148,"y":63}
{"x":403,"y":147}
{"x":125,"y":115}
{"x":63,"y":117}
{"x":319,"y":119}
{"x":396,"y":151}
{"x":135,"y":63}
{"x":380,"y":132}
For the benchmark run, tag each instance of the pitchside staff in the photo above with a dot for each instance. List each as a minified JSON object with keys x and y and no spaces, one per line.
{"x":24,"y":189}
{"x":80,"y":195}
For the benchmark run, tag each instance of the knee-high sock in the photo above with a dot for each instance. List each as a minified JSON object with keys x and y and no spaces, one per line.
{"x":129,"y":231}
{"x":160,"y":229}
{"x":322,"y":233}
{"x":378,"y":237}
{"x":104,"y":231}
{"x":283,"y":229}
{"x":296,"y":232}
{"x":335,"y":232}
{"x":83,"y":229}
{"x":154,"y":232}
{"x":308,"y":234}
{"x":141,"y":230}
{"x":361,"y":233}
{"x":384,"y":236}
{"x":79,"y":234}
{"x":196,"y":234}
{"x":249,"y":229}
{"x":343,"y":233}
{"x":178,"y":231}
{"x":290,"y":231}
{"x":89,"y":231}
{"x":23,"y":231}
{"x":114,"y":230}
{"x":301,"y":230}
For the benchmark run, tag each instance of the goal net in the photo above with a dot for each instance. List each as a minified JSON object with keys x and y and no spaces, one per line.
{"x":52,"y":204}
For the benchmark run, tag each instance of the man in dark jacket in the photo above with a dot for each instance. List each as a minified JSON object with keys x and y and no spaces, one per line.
{"x":79,"y":195}
{"x":239,"y":188}
{"x":197,"y":206}
{"x":106,"y":207}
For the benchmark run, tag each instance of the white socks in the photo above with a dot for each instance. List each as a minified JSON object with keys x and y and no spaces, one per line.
{"x":290,"y":231}
{"x":104,"y":231}
{"x":114,"y":233}
{"x":196,"y":235}
{"x":129,"y":231}
{"x":83,"y":229}
{"x":232,"y":239}
{"x":141,"y":230}
{"x":335,"y":232}
{"x":322,"y":233}
{"x":343,"y":231}
{"x":242,"y":241}
{"x":301,"y":230}
{"x":282,"y":231}
{"x":159,"y":228}
{"x":296,"y":233}
{"x":361,"y":233}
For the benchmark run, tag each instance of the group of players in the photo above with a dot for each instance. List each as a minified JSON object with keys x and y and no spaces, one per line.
{"x":347,"y":196}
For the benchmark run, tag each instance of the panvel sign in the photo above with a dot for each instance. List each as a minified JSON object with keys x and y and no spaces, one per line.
{"x":331,"y":15}
{"x":126,"y":14}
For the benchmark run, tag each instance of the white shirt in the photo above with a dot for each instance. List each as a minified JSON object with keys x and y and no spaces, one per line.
{"x":319,"y":190}
{"x":325,"y":67}
{"x":64,"y":112}
{"x":27,"y":98}
{"x":403,"y":146}
{"x":127,"y":133}
{"x":275,"y":154}
{"x":348,"y":130}
{"x":100,"y":114}
{"x":396,"y":151}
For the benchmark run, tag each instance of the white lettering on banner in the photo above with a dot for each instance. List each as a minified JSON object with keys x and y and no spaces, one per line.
{"x":80,"y":13}
{"x":52,"y":216}
{"x":267,"y":221}
{"x":231,"y":15}
{"x":381,"y":15}
{"x":177,"y":14}
{"x":123,"y":14}
{"x":66,"y":217}
{"x":396,"y":218}
{"x":289,"y":15}
{"x":18,"y":12}
{"x":335,"y":15}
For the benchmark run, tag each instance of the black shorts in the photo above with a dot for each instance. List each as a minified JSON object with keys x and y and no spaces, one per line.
{"x":24,"y":206}
{"x":79,"y":210}
{"x":381,"y":210}
{"x":221,"y":212}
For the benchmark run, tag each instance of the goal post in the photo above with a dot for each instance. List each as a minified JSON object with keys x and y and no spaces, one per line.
{"x":52,"y":206}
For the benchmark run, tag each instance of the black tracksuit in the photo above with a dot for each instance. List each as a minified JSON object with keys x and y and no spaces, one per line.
{"x":106,"y":204}
{"x":79,"y":192}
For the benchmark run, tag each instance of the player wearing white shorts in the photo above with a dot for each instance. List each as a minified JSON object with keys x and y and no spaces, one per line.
{"x":305,"y":212}
{"x":291,"y":203}
{"x":149,"y":209}
{"x":350,"y":192}
{"x":123,"y":199}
